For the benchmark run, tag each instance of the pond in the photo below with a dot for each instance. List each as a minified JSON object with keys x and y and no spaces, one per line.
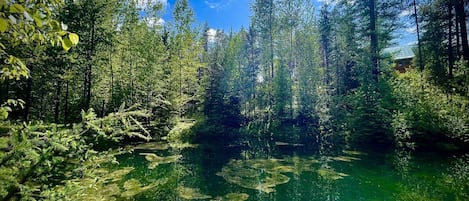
{"x":286,"y":172}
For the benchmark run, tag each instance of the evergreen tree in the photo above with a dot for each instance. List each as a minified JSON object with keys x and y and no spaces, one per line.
{"x":185,"y":62}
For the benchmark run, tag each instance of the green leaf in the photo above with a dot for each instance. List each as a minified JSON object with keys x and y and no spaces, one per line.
{"x":3,"y":25}
{"x":122,"y":107}
{"x":59,"y":147}
{"x":38,"y":21}
{"x":55,"y":25}
{"x":73,"y":38}
{"x":62,"y":33}
{"x":3,"y":113}
{"x":66,"y":44}
{"x":3,"y":4}
{"x":16,"y":8}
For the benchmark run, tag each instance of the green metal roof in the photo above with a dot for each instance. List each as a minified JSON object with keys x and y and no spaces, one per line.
{"x":399,"y":53}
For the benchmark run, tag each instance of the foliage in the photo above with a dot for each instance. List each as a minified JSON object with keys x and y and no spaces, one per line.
{"x":368,"y":117}
{"x":37,"y":159}
{"x":181,"y":131}
{"x":428,"y":110}
{"x":459,"y":175}
{"x":293,"y":69}
{"x":27,"y":25}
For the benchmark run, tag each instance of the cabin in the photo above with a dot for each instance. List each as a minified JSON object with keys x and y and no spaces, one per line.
{"x":401,"y":55}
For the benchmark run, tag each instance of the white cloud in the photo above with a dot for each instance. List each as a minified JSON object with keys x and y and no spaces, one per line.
{"x":142,"y":4}
{"x":331,"y":1}
{"x":212,"y":34}
{"x":412,"y":29}
{"x":259,"y":78}
{"x":160,"y":22}
{"x":412,"y":43}
{"x":217,"y":4}
{"x":151,"y":21}
{"x":211,"y":5}
{"x":406,"y":12}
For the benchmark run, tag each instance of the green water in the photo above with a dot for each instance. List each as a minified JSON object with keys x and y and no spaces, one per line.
{"x":287,"y":173}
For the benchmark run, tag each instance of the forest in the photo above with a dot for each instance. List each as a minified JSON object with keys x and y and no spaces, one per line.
{"x":104,"y":100}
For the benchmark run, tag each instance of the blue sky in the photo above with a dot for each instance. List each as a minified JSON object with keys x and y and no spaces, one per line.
{"x":220,"y":14}
{"x":234,"y":14}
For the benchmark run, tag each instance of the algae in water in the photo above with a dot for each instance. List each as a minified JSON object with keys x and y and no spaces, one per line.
{"x":156,"y":160}
{"x":330,"y":174}
{"x":233,"y":197}
{"x":191,"y":193}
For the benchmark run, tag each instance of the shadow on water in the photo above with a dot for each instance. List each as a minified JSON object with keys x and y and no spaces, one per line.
{"x":260,"y":169}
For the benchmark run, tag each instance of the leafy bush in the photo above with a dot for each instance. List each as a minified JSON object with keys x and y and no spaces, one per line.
{"x":429,"y":111}
{"x":36,"y":158}
{"x":368,"y":115}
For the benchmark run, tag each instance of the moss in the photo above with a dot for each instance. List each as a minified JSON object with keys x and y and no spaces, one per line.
{"x":300,"y":165}
{"x":152,"y":146}
{"x":181,"y":131}
{"x":156,"y":160}
{"x":181,"y":145}
{"x":133,"y":187}
{"x":191,"y":194}
{"x":264,"y":174}
{"x":330,"y":174}
{"x":288,"y":144}
{"x":116,"y":175}
{"x":104,"y":186}
{"x":344,"y":158}
{"x":356,"y":153}
{"x":235,"y":197}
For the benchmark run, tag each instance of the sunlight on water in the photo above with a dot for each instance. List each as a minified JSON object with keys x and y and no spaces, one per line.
{"x":224,"y":173}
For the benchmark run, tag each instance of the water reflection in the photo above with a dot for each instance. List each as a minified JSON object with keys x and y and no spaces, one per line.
{"x":255,"y":170}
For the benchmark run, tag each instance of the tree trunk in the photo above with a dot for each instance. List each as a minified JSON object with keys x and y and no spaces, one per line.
{"x":325,"y":43}
{"x":102,"y":108}
{"x":131,"y":73}
{"x":271,"y":29}
{"x":462,"y":23}
{"x":271,"y":19}
{"x":29,"y":90}
{"x":88,"y":73}
{"x":1,"y":92}
{"x":338,"y":82}
{"x":57,"y":102}
{"x":291,"y":64}
{"x":66,"y":119}
{"x":112,"y":81}
{"x":450,"y":40}
{"x":373,"y":40}
{"x":419,"y":44}
{"x":4,"y":93}
{"x":180,"y":83}
{"x":458,"y":38}
{"x":41,"y":103}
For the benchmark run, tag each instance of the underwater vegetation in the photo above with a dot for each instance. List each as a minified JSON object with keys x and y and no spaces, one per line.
{"x":195,"y":194}
{"x":265,"y":174}
{"x":162,"y":145}
{"x":107,"y":185}
{"x":233,"y":197}
{"x":328,"y":173}
{"x":156,"y":160}
{"x":133,"y":187}
{"x":191,"y":193}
